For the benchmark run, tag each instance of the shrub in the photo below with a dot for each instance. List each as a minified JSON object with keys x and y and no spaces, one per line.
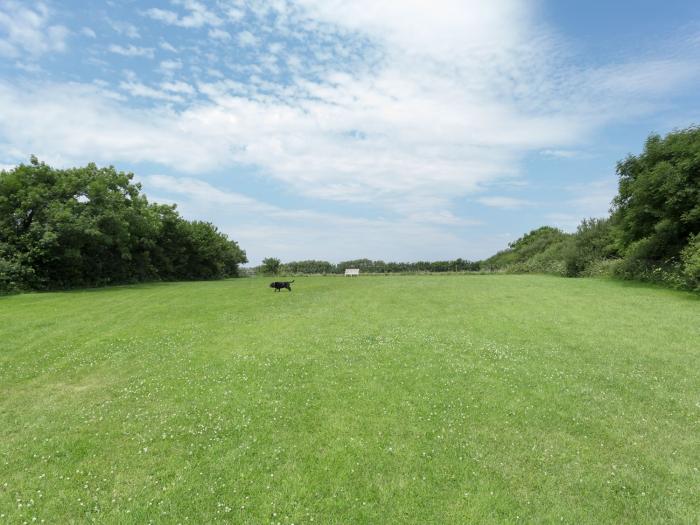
{"x":601,"y":268}
{"x":690,"y":257}
{"x":594,"y":240}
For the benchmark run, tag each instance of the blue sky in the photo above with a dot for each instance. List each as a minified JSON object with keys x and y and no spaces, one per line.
{"x":327,"y":129}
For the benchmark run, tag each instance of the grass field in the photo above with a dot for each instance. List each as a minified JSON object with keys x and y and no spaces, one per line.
{"x":412,"y":399}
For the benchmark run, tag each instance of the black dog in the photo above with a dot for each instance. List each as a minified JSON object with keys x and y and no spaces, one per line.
{"x":278,"y":285}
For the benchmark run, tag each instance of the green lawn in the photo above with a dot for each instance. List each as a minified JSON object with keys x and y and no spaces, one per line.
{"x":407,"y":399}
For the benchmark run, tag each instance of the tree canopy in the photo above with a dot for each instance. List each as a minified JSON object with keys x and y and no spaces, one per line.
{"x":658,"y":205}
{"x":91,"y":226}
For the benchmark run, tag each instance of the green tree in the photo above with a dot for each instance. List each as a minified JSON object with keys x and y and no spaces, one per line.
{"x":594,"y":240}
{"x":91,"y":226}
{"x":658,"y":205}
{"x":271,"y":266}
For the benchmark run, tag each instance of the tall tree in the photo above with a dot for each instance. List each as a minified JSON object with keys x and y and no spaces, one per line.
{"x":658,"y":205}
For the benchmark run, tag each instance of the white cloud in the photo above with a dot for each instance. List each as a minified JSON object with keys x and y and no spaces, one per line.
{"x":169,"y":66}
{"x":506,"y":203}
{"x":31,"y":67}
{"x":455,"y":28}
{"x":88,"y":32}
{"x":234,"y":14}
{"x":28,"y":30}
{"x":168,"y":47}
{"x":198,"y":15}
{"x":642,"y":78}
{"x":89,"y":124}
{"x":246,"y":38}
{"x":560,"y":153}
{"x":138,"y":89}
{"x":178,"y":87}
{"x":132,"y":51}
{"x":162,"y":15}
{"x":124,"y":28}
{"x":219,"y":34}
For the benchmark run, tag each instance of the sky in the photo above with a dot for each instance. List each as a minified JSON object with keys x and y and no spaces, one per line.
{"x":400,"y":130}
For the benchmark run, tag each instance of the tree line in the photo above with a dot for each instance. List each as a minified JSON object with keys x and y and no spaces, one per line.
{"x":272,"y":266}
{"x":90,"y":226}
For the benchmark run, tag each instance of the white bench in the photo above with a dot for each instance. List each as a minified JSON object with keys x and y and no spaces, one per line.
{"x":349,"y":272}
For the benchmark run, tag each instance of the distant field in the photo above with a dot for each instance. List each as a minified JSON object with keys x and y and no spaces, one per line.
{"x":412,"y":399}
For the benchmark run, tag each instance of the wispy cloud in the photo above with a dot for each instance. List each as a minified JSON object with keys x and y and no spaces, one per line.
{"x":138,"y":89}
{"x":197,"y":15}
{"x":178,"y":87}
{"x":219,"y":34}
{"x":506,"y":203}
{"x":25,"y":29}
{"x":168,"y":67}
{"x":168,"y":47}
{"x":132,"y":51}
{"x":124,"y":28}
{"x":560,"y":153}
{"x":246,"y":38}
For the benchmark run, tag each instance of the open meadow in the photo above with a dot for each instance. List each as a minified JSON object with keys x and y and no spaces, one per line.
{"x":404,"y":399}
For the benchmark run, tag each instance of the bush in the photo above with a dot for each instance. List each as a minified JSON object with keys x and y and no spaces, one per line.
{"x":540,"y":251}
{"x":594,"y":240}
{"x":11,"y":276}
{"x":690,"y":257}
{"x":601,"y":268}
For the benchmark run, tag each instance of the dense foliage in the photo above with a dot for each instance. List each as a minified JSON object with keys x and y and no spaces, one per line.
{"x":92,"y":226}
{"x":540,"y":251}
{"x":657,"y":210}
{"x":653,"y":233}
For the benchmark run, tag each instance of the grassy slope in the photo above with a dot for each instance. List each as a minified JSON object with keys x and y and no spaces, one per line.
{"x":424,"y":399}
